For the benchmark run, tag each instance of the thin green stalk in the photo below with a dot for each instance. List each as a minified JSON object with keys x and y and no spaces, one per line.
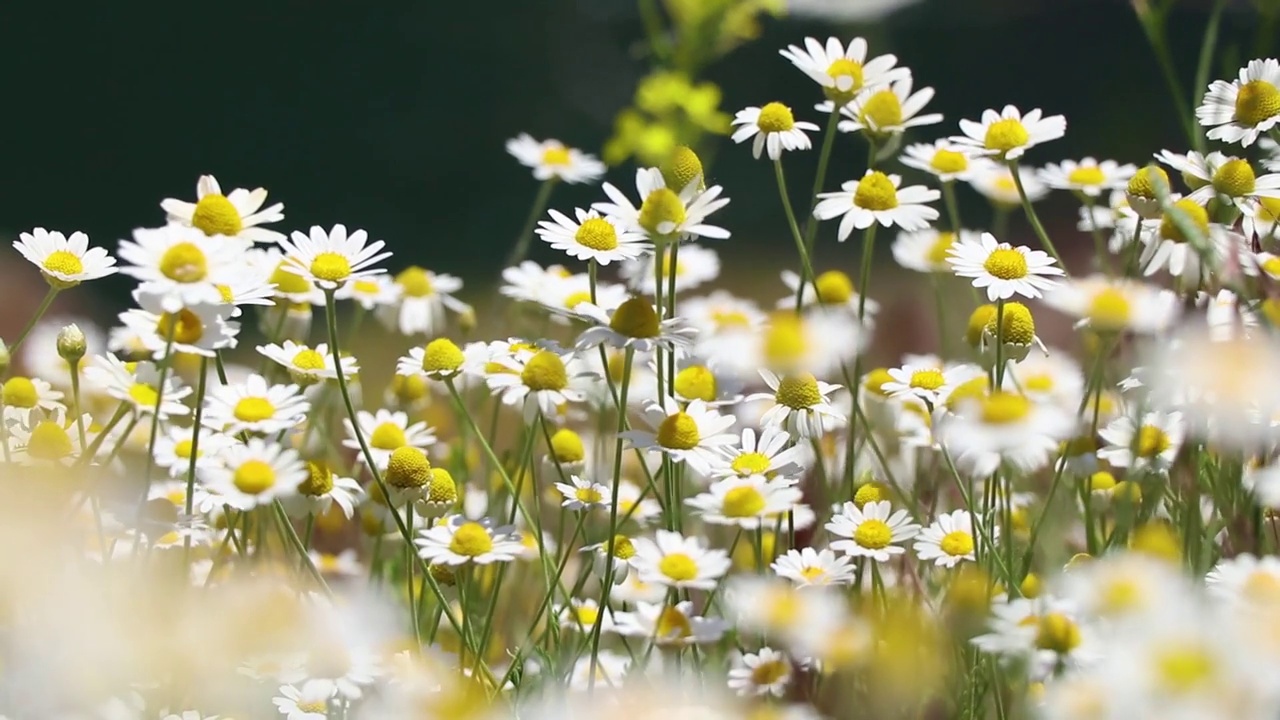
{"x":540,"y":200}
{"x":189,"y":500}
{"x":40,"y":311}
{"x":1101,"y":255}
{"x":806,"y":267}
{"x":416,"y":610}
{"x":953,"y":208}
{"x":291,"y":535}
{"x":864,"y":280}
{"x":1205,"y":65}
{"x":671,"y":313}
{"x":1031,"y":213}
{"x":810,"y":222}
{"x":1153,"y":26}
{"x":165,"y":366}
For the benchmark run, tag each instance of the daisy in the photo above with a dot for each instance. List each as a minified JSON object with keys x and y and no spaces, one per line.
{"x":949,"y":540}
{"x":592,"y":237}
{"x":842,"y":70}
{"x":582,"y":494}
{"x":331,"y":260}
{"x":199,"y":329}
{"x":539,"y":383}
{"x":1008,"y":134}
{"x":985,"y":431}
{"x":289,"y":286}
{"x":255,"y":406}
{"x":666,"y":213}
{"x":746,"y":502}
{"x":606,"y":670}
{"x":38,"y":438}
{"x":181,"y":265}
{"x":528,"y":280}
{"x":385,"y":432}
{"x":1232,"y":179}
{"x":254,"y":474}
{"x":311,"y":702}
{"x":21,"y":394}
{"x":459,"y":541}
{"x":345,"y":564}
{"x":802,"y":405}
{"x":1243,"y":110}
{"x":307,"y":366}
{"x":834,"y":289}
{"x":64,"y":262}
{"x":582,"y":615}
{"x":174,"y":448}
{"x":137,"y":386}
{"x":996,"y":183}
{"x":929,"y":383}
{"x":873,"y":531}
{"x":876,"y":198}
{"x":1115,"y":304}
{"x":690,"y":435}
{"x":1263,"y":221}
{"x":1088,"y":176}
{"x":1055,"y":378}
{"x":721,"y":312}
{"x":441,"y":359}
{"x":632,"y":324}
{"x":773,"y":126}
{"x":669,"y":625}
{"x":695,"y":267}
{"x":1005,"y":271}
{"x":322,"y":489}
{"x":1046,"y":631}
{"x":808,"y":567}
{"x":551,"y":159}
{"x":1246,"y":579}
{"x":1151,"y":445}
{"x":370,"y":292}
{"x":679,"y":562}
{"x":767,"y":455}
{"x":239,"y":214}
{"x":1168,"y":244}
{"x":695,"y":380}
{"x":766,"y":673}
{"x":888,"y":111}
{"x":422,"y":299}
{"x":943,"y":159}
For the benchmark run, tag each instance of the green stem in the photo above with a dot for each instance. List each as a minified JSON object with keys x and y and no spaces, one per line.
{"x":1031,"y":214}
{"x":864,"y":280}
{"x":526,"y":234}
{"x":165,"y":365}
{"x":1205,"y":65}
{"x":189,"y":500}
{"x":953,"y":208}
{"x":806,"y":268}
{"x":40,"y":311}
{"x":1153,"y":26}
{"x":819,"y":179}
{"x":291,"y":535}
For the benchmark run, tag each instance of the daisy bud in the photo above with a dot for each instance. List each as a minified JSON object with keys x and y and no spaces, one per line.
{"x":870,"y":492}
{"x":1058,"y":633}
{"x":683,"y":168}
{"x":71,"y":343}
{"x":1102,"y":482}
{"x":442,"y":574}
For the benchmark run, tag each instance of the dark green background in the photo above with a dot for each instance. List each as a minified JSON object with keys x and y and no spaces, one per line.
{"x":392,"y":116}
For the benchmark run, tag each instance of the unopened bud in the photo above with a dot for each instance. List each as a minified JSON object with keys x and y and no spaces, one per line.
{"x":71,"y":343}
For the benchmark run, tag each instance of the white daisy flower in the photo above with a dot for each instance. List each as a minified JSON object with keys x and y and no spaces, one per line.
{"x":332,"y":259}
{"x":459,"y":541}
{"x":772,"y":126}
{"x":180,"y":264}
{"x":199,"y":329}
{"x":1046,"y":631}
{"x":64,"y":261}
{"x":289,"y":286}
{"x":38,"y":438}
{"x":888,"y":111}
{"x":802,"y":405}
{"x":949,"y":540}
{"x":345,"y":564}
{"x":1004,"y":270}
{"x":592,"y":237}
{"x":746,"y":502}
{"x":1230,"y":179}
{"x":633,"y":324}
{"x":529,"y":280}
{"x":943,"y":159}
{"x":254,"y":474}
{"x":551,"y":159}
{"x":307,"y":366}
{"x":21,"y":394}
{"x":1246,"y":579}
{"x":1150,"y":445}
{"x":872,"y":531}
{"x":370,"y":292}
{"x":422,"y":300}
{"x":136,"y":384}
{"x":1245,"y":109}
{"x":580,"y":494}
{"x":1054,"y":378}
{"x":767,"y":455}
{"x":321,"y":490}
{"x":877,"y":198}
{"x":835,"y":290}
{"x":766,"y":673}
{"x":996,"y":183}
{"x":1008,"y":134}
{"x":1088,"y":176}
{"x":174,"y":448}
{"x":673,"y":560}
{"x":669,"y":625}
{"x":926,"y":250}
{"x":385,"y":432}
{"x":1104,"y":217}
{"x":930,"y":383}
{"x":582,"y":614}
{"x":695,"y":266}
{"x":254,"y":406}
{"x":442,"y":359}
{"x":808,"y":567}
{"x":842,"y":70}
{"x":1263,"y":221}
{"x":539,"y":383}
{"x":1107,"y":304}
{"x":238,"y":214}
{"x":985,"y":431}
{"x":1167,"y":246}
{"x":664,"y":212}
{"x":310,"y":702}
{"x":690,"y":435}
{"x":721,"y":312}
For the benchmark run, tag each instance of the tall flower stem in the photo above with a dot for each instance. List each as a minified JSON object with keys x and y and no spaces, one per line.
{"x":521,"y":249}
{"x":806,"y":268}
{"x":40,"y":311}
{"x":1031,"y":214}
{"x":953,"y":207}
{"x":819,"y":179}
{"x":165,"y":365}
{"x":864,"y":279}
{"x":189,"y":501}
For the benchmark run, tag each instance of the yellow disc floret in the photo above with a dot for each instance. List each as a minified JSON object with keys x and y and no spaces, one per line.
{"x":834,"y":288}
{"x":635,"y":318}
{"x":1143,"y":183}
{"x":63,"y":261}
{"x":949,"y":162}
{"x":215,"y":215}
{"x":597,"y":234}
{"x":408,"y":468}
{"x":750,"y":463}
{"x":567,"y":447}
{"x":873,"y":534}
{"x":661,"y":212}
{"x":1235,"y":178}
{"x":20,"y":392}
{"x":49,"y":441}
{"x":775,"y":117}
{"x":184,"y":262}
{"x":956,"y":543}
{"x":742,"y":501}
{"x":798,"y":392}
{"x":1086,"y":175}
{"x":678,"y":567}
{"x":387,"y":436}
{"x":883,"y":109}
{"x":695,"y":382}
{"x":545,"y":371}
{"x":330,"y":266}
{"x":319,"y":479}
{"x":683,"y":168}
{"x":471,"y":540}
{"x":875,"y":192}
{"x":1256,"y":102}
{"x":1194,"y":214}
{"x":184,"y":327}
{"x":442,"y":488}
{"x":1006,"y":263}
{"x":1001,"y":408}
{"x":442,"y":356}
{"x":1005,"y":135}
{"x":1019,"y":327}
{"x":254,"y":477}
{"x":678,"y":431}
{"x":1109,"y":311}
{"x":253,"y":409}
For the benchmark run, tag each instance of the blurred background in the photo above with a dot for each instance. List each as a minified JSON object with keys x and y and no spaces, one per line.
{"x":391,"y":116}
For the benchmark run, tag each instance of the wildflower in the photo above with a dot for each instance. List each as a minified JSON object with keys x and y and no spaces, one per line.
{"x":1245,"y":109}
{"x":1246,"y":579}
{"x":540,"y":382}
{"x":1054,"y":378}
{"x":888,"y":111}
{"x":773,"y":126}
{"x":926,"y":250}
{"x":439,"y":359}
{"x":1005,"y":271}
{"x":871,"y":531}
{"x":802,"y":404}
{"x":767,"y":455}
{"x":238,"y":214}
{"x":675,"y":213}
{"x":610,"y":670}
{"x":458,"y":541}
{"x":696,"y":266}
{"x":690,"y":435}
{"x":834,"y":290}
{"x":1087,"y":177}
{"x":676,"y":561}
{"x":175,"y":446}
{"x":986,"y":430}
{"x":1115,"y":305}
{"x":421,"y":300}
{"x":311,"y":702}
{"x":1048,"y":632}
{"x":64,"y":261}
{"x":181,"y":265}
{"x":197,"y":329}
{"x":745,"y":501}
{"x":307,"y":366}
{"x":135,"y":383}
{"x":1144,"y":190}
{"x":21,"y":393}
{"x":551,"y":159}
{"x":842,"y":70}
{"x":808,"y":567}
{"x":634,"y":323}
{"x":592,"y":237}
{"x":345,"y":564}
{"x":877,"y":198}
{"x":39,"y":439}
{"x":581,"y":495}
{"x":582,"y":615}
{"x":254,"y":406}
{"x":949,"y":540}
{"x":943,"y":159}
{"x":332,"y":259}
{"x":324,"y":488}
{"x":1231,"y":179}
{"x":928,"y":383}
{"x":669,"y":625}
{"x":1015,"y":328}
{"x":1151,"y":445}
{"x":372,"y":293}
{"x":767,"y":672}
{"x":247,"y":476}
{"x":998,"y":184}
{"x":1008,"y":134}
{"x":385,"y":432}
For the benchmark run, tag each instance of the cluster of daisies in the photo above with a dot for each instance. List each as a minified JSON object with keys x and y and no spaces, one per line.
{"x":653,"y":483}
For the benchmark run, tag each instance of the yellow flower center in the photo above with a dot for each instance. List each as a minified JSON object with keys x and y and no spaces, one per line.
{"x":683,"y":167}
{"x":875,"y":192}
{"x":1006,"y":263}
{"x":574,"y":298}
{"x":415,"y":281}
{"x":1086,"y":175}
{"x":957,"y":543}
{"x":930,"y":379}
{"x":441,"y":355}
{"x":874,"y":381}
{"x":567,"y":447}
{"x":1151,"y":441}
{"x":1184,"y":668}
{"x":635,"y":318}
{"x":144,"y":395}
{"x":588,"y":495}
{"x":678,"y":432}
{"x":873,"y":534}
{"x":742,"y":501}
{"x":870,"y":492}
{"x":881,"y":110}
{"x":471,"y":540}
{"x":366,"y":287}
{"x":1001,"y":408}
{"x":1198,"y":216}
{"x":319,"y":480}
{"x":729,"y":319}
{"x":312,"y":706}
{"x":750,"y":463}
{"x":1262,"y":586}
{"x":972,"y":389}
{"x":785,"y":343}
{"x":1019,"y":325}
{"x":1101,"y":480}
{"x":387,"y":436}
{"x":1143,"y":182}
{"x":1256,"y":102}
{"x":1041,"y":383}
{"x":696,"y":383}
{"x":844,"y":68}
{"x":555,"y":155}
{"x":331,"y":266}
{"x":938,"y":250}
{"x":949,"y":162}
{"x":253,"y":409}
{"x":254,"y":477}
{"x":1108,"y":311}
{"x":587,"y":615}
{"x":49,"y":441}
{"x":1005,"y":135}
{"x":768,"y":673}
{"x":623,"y":549}
{"x":289,"y":283}
{"x":308,"y":359}
{"x":834,"y":288}
{"x":812,"y":573}
{"x":775,"y":117}
{"x":678,"y":566}
{"x":184,"y":262}
{"x":673,"y":624}
{"x":1127,"y":491}
{"x":597,"y":234}
{"x":182,"y":449}
{"x":184,"y":327}
{"x":408,"y":388}
{"x":63,"y":261}
{"x":545,"y":371}
{"x":20,"y":392}
{"x":662,"y":212}
{"x":215,"y":215}
{"x":408,"y":468}
{"x":1269,"y":212}
{"x":1234,"y":179}
{"x":798,"y":392}
{"x":1058,"y":633}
